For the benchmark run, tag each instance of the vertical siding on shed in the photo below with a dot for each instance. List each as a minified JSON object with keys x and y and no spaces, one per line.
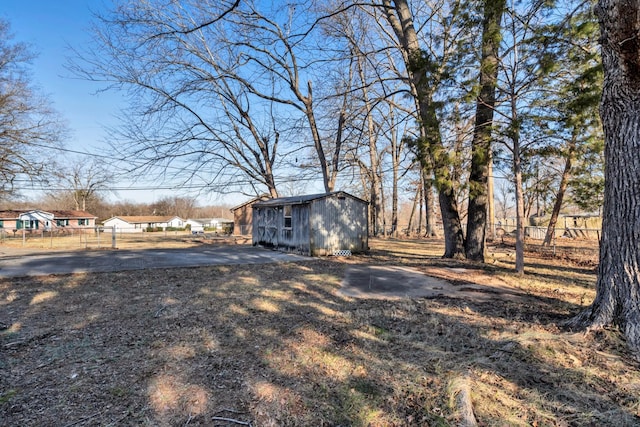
{"x":296,"y":239}
{"x":269,"y":229}
{"x":338,"y":223}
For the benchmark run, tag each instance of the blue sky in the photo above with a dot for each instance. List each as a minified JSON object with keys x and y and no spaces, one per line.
{"x":50,"y":27}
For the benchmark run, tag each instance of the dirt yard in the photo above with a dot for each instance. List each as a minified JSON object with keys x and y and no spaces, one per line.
{"x":280,"y":345}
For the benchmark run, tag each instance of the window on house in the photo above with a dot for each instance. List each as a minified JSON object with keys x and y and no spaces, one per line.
{"x":287,"y":216}
{"x":1,"y":223}
{"x":83,"y":221}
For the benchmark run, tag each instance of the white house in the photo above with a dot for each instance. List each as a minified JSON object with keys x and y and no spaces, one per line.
{"x":29,"y":220}
{"x":138,"y":224}
{"x":209,"y":224}
{"x":38,"y":220}
{"x":196,"y":225}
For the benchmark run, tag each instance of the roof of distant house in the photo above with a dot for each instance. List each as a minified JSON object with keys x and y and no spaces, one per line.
{"x":72,"y":214}
{"x":15,"y":213}
{"x":209,"y":220}
{"x":145,"y":219}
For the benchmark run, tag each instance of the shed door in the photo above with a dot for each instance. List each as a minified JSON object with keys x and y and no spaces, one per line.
{"x":267,"y":228}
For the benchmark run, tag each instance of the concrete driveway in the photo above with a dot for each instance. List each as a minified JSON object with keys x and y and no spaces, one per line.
{"x":16,"y":264}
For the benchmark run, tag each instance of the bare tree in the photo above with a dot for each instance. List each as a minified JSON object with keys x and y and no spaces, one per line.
{"x":82,"y":179}
{"x":288,"y":57}
{"x":504,"y":195}
{"x":193,"y":116}
{"x":29,"y":128}
{"x":184,"y":207}
{"x":424,"y":75}
{"x":519,"y":84}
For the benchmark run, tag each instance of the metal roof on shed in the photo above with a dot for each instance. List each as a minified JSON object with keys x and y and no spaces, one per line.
{"x":299,"y":200}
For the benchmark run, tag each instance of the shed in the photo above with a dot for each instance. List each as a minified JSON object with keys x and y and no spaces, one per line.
{"x":243,"y":217}
{"x":315,"y":225}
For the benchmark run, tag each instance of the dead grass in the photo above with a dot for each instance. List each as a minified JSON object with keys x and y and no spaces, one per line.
{"x":277,"y":346}
{"x":39,"y":241}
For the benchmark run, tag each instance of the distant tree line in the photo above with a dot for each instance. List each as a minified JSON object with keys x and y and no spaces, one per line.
{"x":96,"y":204}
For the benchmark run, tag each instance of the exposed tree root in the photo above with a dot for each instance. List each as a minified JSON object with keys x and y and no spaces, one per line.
{"x":589,"y":320}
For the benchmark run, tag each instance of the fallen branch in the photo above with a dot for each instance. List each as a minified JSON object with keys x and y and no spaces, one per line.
{"x":81,"y":420}
{"x":160,"y":310}
{"x":231,"y":420}
{"x":461,"y":394}
{"x":11,"y":344}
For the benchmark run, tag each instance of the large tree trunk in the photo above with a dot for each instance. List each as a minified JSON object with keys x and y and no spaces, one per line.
{"x":328,"y":171}
{"x":481,"y":144}
{"x":400,"y":18}
{"x":429,"y":207}
{"x":617,"y":299}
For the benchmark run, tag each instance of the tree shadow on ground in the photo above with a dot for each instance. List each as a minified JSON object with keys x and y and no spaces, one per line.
{"x":276,"y":345}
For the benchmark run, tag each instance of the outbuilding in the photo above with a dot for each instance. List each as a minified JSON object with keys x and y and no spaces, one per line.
{"x":315,"y":225}
{"x":243,"y":217}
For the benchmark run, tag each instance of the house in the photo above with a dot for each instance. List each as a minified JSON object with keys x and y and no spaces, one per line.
{"x":28,"y":220}
{"x":138,"y":224}
{"x":318,"y":224}
{"x":243,"y":217}
{"x":219,"y":225}
{"x":39,"y":220}
{"x":73,"y":220}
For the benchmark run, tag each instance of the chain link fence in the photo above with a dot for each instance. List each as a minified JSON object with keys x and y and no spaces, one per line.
{"x":108,"y":238}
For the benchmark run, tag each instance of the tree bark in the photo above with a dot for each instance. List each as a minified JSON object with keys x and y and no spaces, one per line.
{"x":617,"y":299}
{"x":481,"y":143}
{"x":416,"y":200}
{"x":429,"y":207}
{"x":491,"y":204}
{"x":400,"y":18}
{"x":520,"y":217}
